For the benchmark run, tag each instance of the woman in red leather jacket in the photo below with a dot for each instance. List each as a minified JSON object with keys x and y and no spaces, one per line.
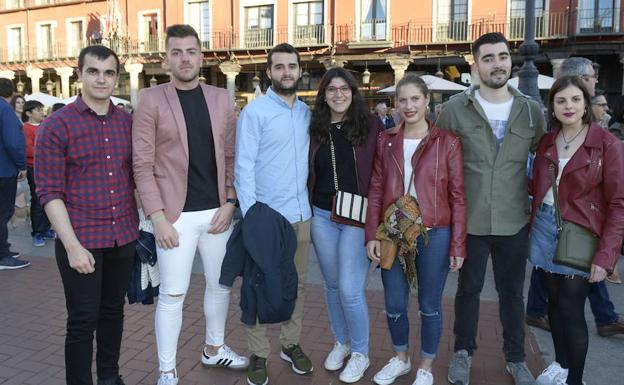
{"x":434,"y":157}
{"x":589,"y":164}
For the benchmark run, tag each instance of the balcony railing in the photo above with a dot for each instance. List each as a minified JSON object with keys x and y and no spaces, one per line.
{"x":601,"y":20}
{"x":548,"y":25}
{"x":373,"y":30}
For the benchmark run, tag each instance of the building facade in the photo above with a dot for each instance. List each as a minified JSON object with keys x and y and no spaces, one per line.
{"x":379,"y":40}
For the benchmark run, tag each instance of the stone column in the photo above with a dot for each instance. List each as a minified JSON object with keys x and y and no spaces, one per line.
{"x":399,"y":65}
{"x":231,"y":71}
{"x":64,"y":73}
{"x":7,"y":74}
{"x":35,"y":75}
{"x":556,"y":64}
{"x":134,"y":69}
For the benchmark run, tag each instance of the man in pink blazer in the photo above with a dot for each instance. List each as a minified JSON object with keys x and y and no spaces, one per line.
{"x":183,"y":154}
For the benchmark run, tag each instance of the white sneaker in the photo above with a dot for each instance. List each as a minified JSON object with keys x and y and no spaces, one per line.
{"x":423,"y":377}
{"x":554,"y":374}
{"x":225,"y":357}
{"x":393,"y":369}
{"x":355,"y":368}
{"x":168,"y":378}
{"x":336,"y":357}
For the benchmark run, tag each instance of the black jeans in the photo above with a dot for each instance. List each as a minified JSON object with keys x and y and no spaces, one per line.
{"x":509,"y":256}
{"x":95,"y":303}
{"x":8,"y":187}
{"x":38,"y":218}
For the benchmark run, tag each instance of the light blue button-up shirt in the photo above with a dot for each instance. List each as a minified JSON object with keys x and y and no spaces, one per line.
{"x":272,"y":145}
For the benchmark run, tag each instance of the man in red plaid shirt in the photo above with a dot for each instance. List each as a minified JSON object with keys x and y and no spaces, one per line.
{"x":83,"y":163}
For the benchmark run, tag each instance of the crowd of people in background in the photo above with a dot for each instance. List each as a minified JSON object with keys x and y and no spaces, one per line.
{"x":486,"y":176}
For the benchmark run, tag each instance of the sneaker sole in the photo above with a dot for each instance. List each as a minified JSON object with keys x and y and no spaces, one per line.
{"x":284,"y":357}
{"x":388,"y":382}
{"x":253,"y":383}
{"x":14,"y":267}
{"x":354,"y":379}
{"x":457,"y":382}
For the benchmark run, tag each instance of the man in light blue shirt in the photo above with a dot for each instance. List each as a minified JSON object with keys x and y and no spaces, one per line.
{"x":271,"y":167}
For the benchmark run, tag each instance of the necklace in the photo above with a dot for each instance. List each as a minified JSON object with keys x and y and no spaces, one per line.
{"x":568,"y":142}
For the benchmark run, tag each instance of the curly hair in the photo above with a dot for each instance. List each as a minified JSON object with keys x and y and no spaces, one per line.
{"x":356,"y":115}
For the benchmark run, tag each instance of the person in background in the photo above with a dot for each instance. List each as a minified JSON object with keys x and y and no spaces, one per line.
{"x":381,"y":110}
{"x":57,"y":106}
{"x":32,"y":116}
{"x":589,"y":167}
{"x":600,"y":109}
{"x":12,"y":169}
{"x":17,"y":102}
{"x":340,"y":121}
{"x":425,"y":162}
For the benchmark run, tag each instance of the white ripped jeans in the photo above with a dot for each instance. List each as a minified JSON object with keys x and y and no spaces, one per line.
{"x":175,"y":273}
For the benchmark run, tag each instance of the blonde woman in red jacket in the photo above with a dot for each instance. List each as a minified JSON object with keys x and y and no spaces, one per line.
{"x":589,"y":167}
{"x":422,"y":160}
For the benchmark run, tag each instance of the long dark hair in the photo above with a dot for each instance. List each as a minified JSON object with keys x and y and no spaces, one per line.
{"x":356,"y":115}
{"x":561,"y":84}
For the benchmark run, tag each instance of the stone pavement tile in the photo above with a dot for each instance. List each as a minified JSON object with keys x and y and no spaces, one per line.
{"x":31,"y":346}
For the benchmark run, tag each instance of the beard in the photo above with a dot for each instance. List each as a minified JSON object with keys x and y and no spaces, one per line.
{"x":496,"y":84}
{"x":279,"y":88}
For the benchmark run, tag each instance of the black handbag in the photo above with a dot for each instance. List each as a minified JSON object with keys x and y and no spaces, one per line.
{"x":576,"y":245}
{"x":347,"y":208}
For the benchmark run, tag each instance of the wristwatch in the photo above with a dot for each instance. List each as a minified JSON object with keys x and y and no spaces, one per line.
{"x":233,"y":201}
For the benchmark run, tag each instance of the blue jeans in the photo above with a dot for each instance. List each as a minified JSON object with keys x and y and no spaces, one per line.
{"x":342,"y":258}
{"x":432,"y":267}
{"x":601,"y":305}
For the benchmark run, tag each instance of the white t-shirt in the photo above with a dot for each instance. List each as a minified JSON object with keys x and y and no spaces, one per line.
{"x":409,"y":148}
{"x":498,"y":115}
{"x":549,"y":199}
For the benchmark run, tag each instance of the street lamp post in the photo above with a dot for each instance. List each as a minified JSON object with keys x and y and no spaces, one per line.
{"x":527,"y":76}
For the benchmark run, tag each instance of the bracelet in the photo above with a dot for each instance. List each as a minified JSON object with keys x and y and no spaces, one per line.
{"x":158,"y":218}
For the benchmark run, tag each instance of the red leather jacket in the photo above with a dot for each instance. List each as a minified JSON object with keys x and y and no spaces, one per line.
{"x":591,"y":189}
{"x":438,"y":180}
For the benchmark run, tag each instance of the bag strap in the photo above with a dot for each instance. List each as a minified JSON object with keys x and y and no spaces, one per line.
{"x":551,"y":168}
{"x":333,"y":158}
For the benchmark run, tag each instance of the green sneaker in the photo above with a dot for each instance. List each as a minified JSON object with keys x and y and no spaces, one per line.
{"x":300,"y":363}
{"x":257,"y":371}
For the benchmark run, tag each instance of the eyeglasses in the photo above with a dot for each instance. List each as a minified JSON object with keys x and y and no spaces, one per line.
{"x":331,"y":90}
{"x":603,"y":105}
{"x":587,"y":77}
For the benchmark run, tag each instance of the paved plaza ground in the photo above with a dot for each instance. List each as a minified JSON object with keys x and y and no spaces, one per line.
{"x":32,"y":315}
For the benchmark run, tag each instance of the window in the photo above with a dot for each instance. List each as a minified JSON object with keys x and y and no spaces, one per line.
{"x":199,"y":17}
{"x":149,"y":32}
{"x":373,"y":20}
{"x":259,"y":26}
{"x":309,"y":23}
{"x":597,"y":16}
{"x":44,"y":41}
{"x":13,"y":4}
{"x":15,"y":40}
{"x":517,"y":20}
{"x":452,"y":23}
{"x":75,"y":36}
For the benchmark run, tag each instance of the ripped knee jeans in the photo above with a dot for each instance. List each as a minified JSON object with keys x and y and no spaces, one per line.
{"x":432,"y":267}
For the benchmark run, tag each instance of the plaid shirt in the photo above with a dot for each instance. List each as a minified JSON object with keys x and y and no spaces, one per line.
{"x":86,"y":161}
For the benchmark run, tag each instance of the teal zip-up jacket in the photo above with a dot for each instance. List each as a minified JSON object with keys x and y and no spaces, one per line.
{"x":495,"y":182}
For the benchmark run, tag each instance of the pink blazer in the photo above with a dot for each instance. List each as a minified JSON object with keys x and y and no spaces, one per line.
{"x":160,"y":147}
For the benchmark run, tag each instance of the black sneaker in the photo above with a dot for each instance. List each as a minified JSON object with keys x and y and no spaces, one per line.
{"x":14,"y":254}
{"x":257,"y":371}
{"x":11,"y":263}
{"x":300,"y":363}
{"x":112,"y":381}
